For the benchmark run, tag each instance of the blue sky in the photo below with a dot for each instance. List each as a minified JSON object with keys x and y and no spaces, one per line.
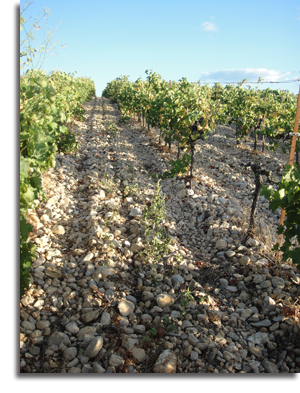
{"x":224,"y":41}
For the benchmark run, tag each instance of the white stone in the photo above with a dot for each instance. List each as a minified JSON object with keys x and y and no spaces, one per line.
{"x":58,"y":230}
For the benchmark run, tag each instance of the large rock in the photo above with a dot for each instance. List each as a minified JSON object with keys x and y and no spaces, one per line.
{"x":177,"y":280}
{"x":264,"y":323}
{"x":147,"y":296}
{"x":215,"y":316}
{"x":139,"y":354}
{"x":105,"y":319}
{"x":103,"y":272}
{"x":136,"y":247}
{"x":72,"y":327}
{"x":252,"y":243}
{"x":58,"y":338}
{"x":269,"y":367}
{"x":146,"y":318}
{"x":278,"y":282}
{"x":101,"y":195}
{"x":268,"y":304}
{"x":129,"y":343}
{"x":246,"y":313}
{"x":221,"y":244}
{"x":244,"y":260}
{"x":115,"y":360}
{"x":135,"y":212}
{"x":164,"y":300}
{"x":28,"y":325}
{"x":94,"y":347}
{"x":58,"y":230}
{"x":259,"y":338}
{"x":97,"y":368}
{"x":90,"y":316}
{"x":86,"y":330}
{"x":70,"y":353}
{"x":53,"y":272}
{"x":166,"y":362}
{"x":181,"y":194}
{"x":42,"y":324}
{"x":125,"y":307}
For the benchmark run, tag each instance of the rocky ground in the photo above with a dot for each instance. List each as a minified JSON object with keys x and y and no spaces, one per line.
{"x":212,"y":303}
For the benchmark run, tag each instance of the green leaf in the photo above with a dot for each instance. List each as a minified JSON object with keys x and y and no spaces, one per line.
{"x":29,"y":195}
{"x":24,"y":136}
{"x":24,"y":168}
{"x":36,"y":182}
{"x":41,"y":82}
{"x":25,"y":228}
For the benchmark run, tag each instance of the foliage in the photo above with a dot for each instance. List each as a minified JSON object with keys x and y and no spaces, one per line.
{"x":287,"y":197}
{"x":179,"y":166}
{"x":47,"y":104}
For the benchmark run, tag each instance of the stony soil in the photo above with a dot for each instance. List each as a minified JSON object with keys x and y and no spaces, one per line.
{"x":213,"y":304}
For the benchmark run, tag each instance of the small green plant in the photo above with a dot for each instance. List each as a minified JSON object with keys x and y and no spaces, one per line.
{"x":124,"y":118}
{"x":66,"y":143}
{"x":131,"y":189}
{"x":150,"y":334}
{"x":111,"y":128}
{"x":107,"y":184}
{"x":157,"y":239}
{"x":145,"y":339}
{"x":186,"y":297}
{"x":177,"y":259}
{"x":153,"y":331}
{"x":168,"y":324}
{"x":129,"y":168}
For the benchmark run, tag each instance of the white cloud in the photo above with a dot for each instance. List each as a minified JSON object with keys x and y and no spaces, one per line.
{"x":251,"y":74}
{"x":209,"y":26}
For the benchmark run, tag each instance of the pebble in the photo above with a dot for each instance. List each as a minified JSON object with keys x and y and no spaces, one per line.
{"x":115,"y":360}
{"x":269,"y":367}
{"x":58,"y":338}
{"x":166,"y":362}
{"x":164,"y":300}
{"x":94,"y":347}
{"x":264,"y":323}
{"x":139,"y":354}
{"x":221,"y":244}
{"x":70,"y":353}
{"x":89,"y":316}
{"x":105,"y":319}
{"x":125,"y":307}
{"x":72,"y":327}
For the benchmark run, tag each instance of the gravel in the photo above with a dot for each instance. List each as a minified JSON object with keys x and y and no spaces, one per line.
{"x":212,"y":304}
